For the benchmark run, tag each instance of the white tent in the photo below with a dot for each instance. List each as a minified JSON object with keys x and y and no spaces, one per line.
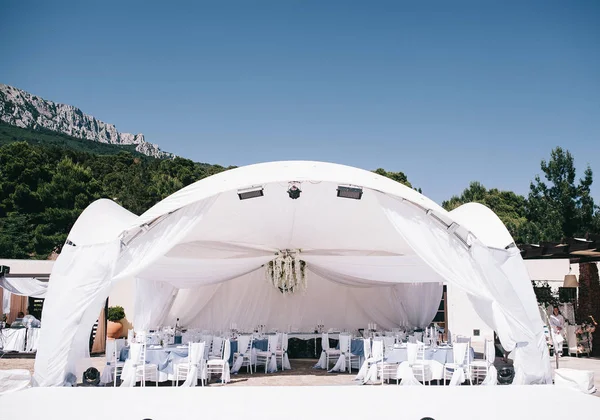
{"x":201,"y":255}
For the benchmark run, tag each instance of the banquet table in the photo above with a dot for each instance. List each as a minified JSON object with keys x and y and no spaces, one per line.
{"x":33,"y":336}
{"x":164,"y":357}
{"x":396,"y":364}
{"x":441,"y":354}
{"x":13,"y":339}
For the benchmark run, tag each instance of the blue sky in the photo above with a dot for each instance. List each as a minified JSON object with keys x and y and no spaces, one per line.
{"x":447,"y":92}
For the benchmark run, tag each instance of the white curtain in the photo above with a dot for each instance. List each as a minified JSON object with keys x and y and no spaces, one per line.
{"x":82,"y":277}
{"x":6,"y":295}
{"x":492,"y":281}
{"x":420,"y":302}
{"x":80,"y":283}
{"x":24,"y":286}
{"x":251,"y":300}
{"x":153,"y":300}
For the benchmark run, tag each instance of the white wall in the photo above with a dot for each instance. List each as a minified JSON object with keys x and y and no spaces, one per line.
{"x":463,"y":320}
{"x":123,"y":294}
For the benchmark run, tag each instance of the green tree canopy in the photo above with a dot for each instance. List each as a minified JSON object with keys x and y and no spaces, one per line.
{"x":509,"y":207}
{"x":559,"y":207}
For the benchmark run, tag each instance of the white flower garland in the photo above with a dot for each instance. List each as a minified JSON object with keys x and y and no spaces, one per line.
{"x":287,"y":273}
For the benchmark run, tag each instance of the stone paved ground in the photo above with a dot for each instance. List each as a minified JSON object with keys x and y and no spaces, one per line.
{"x":303,"y":374}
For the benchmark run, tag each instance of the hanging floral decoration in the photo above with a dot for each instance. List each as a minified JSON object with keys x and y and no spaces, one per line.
{"x":287,"y":272}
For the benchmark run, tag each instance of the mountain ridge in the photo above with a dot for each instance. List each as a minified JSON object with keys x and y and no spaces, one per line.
{"x":25,"y":110}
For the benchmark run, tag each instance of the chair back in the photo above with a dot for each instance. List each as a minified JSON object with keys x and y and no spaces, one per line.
{"x":459,"y":351}
{"x":462,"y":339}
{"x":195,"y":353}
{"x":130,"y":336}
{"x":367,"y":347}
{"x":120,"y":343}
{"x":217,"y":347}
{"x":284,"y":342}
{"x":272,"y":342}
{"x":388,"y":342}
{"x":490,"y":351}
{"x":345,"y":342}
{"x":377,"y":350}
{"x":226,"y":349}
{"x":244,"y":343}
{"x":112,"y":354}
{"x":137,"y":353}
{"x":420,"y":351}
{"x":325,"y":341}
{"x":419,"y":336}
{"x":411,"y":351}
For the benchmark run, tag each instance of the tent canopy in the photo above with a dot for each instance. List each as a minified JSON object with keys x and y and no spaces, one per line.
{"x":201,"y":255}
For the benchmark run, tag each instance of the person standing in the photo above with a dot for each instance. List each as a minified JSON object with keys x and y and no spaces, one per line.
{"x":557,"y":323}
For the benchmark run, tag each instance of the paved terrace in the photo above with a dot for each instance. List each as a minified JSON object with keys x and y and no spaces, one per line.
{"x":303,"y":374}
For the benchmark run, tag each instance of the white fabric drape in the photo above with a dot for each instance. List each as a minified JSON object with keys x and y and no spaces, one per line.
{"x":492,"y":376}
{"x":13,"y":339}
{"x":6,"y":295}
{"x":128,"y":374}
{"x":64,"y":340}
{"x":251,"y":300}
{"x":493,"y":279}
{"x":195,"y":355}
{"x":24,"y":286}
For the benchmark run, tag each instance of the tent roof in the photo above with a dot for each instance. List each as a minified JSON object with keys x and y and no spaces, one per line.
{"x":283,"y":172}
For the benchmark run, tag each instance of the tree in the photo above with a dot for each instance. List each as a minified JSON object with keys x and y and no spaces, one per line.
{"x":561,"y":208}
{"x":509,"y":207}
{"x":396,"y":176}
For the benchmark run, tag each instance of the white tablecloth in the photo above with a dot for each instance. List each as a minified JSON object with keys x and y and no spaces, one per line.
{"x":13,"y":339}
{"x":396,"y":365}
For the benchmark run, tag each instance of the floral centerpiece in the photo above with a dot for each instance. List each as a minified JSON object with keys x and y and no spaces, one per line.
{"x":287,"y":272}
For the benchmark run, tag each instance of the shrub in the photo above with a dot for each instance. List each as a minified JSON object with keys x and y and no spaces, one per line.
{"x":116,"y":313}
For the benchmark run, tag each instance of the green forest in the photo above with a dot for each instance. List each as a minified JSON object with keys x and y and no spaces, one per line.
{"x":48,"y":179}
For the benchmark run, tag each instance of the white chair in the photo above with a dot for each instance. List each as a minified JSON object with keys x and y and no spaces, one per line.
{"x":460,"y":369}
{"x":114,"y":366}
{"x":479,"y":368}
{"x":374,"y":361}
{"x":331,"y":355}
{"x":207,"y":339}
{"x":346,"y":350}
{"x":416,"y":360}
{"x":216,"y":351}
{"x":377,"y":355}
{"x":356,"y":361}
{"x":142,"y":371}
{"x":244,"y":351}
{"x":220,"y":365}
{"x":265,"y":357}
{"x":463,"y":339}
{"x":281,"y":352}
{"x":388,"y":344}
{"x":193,"y":369}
